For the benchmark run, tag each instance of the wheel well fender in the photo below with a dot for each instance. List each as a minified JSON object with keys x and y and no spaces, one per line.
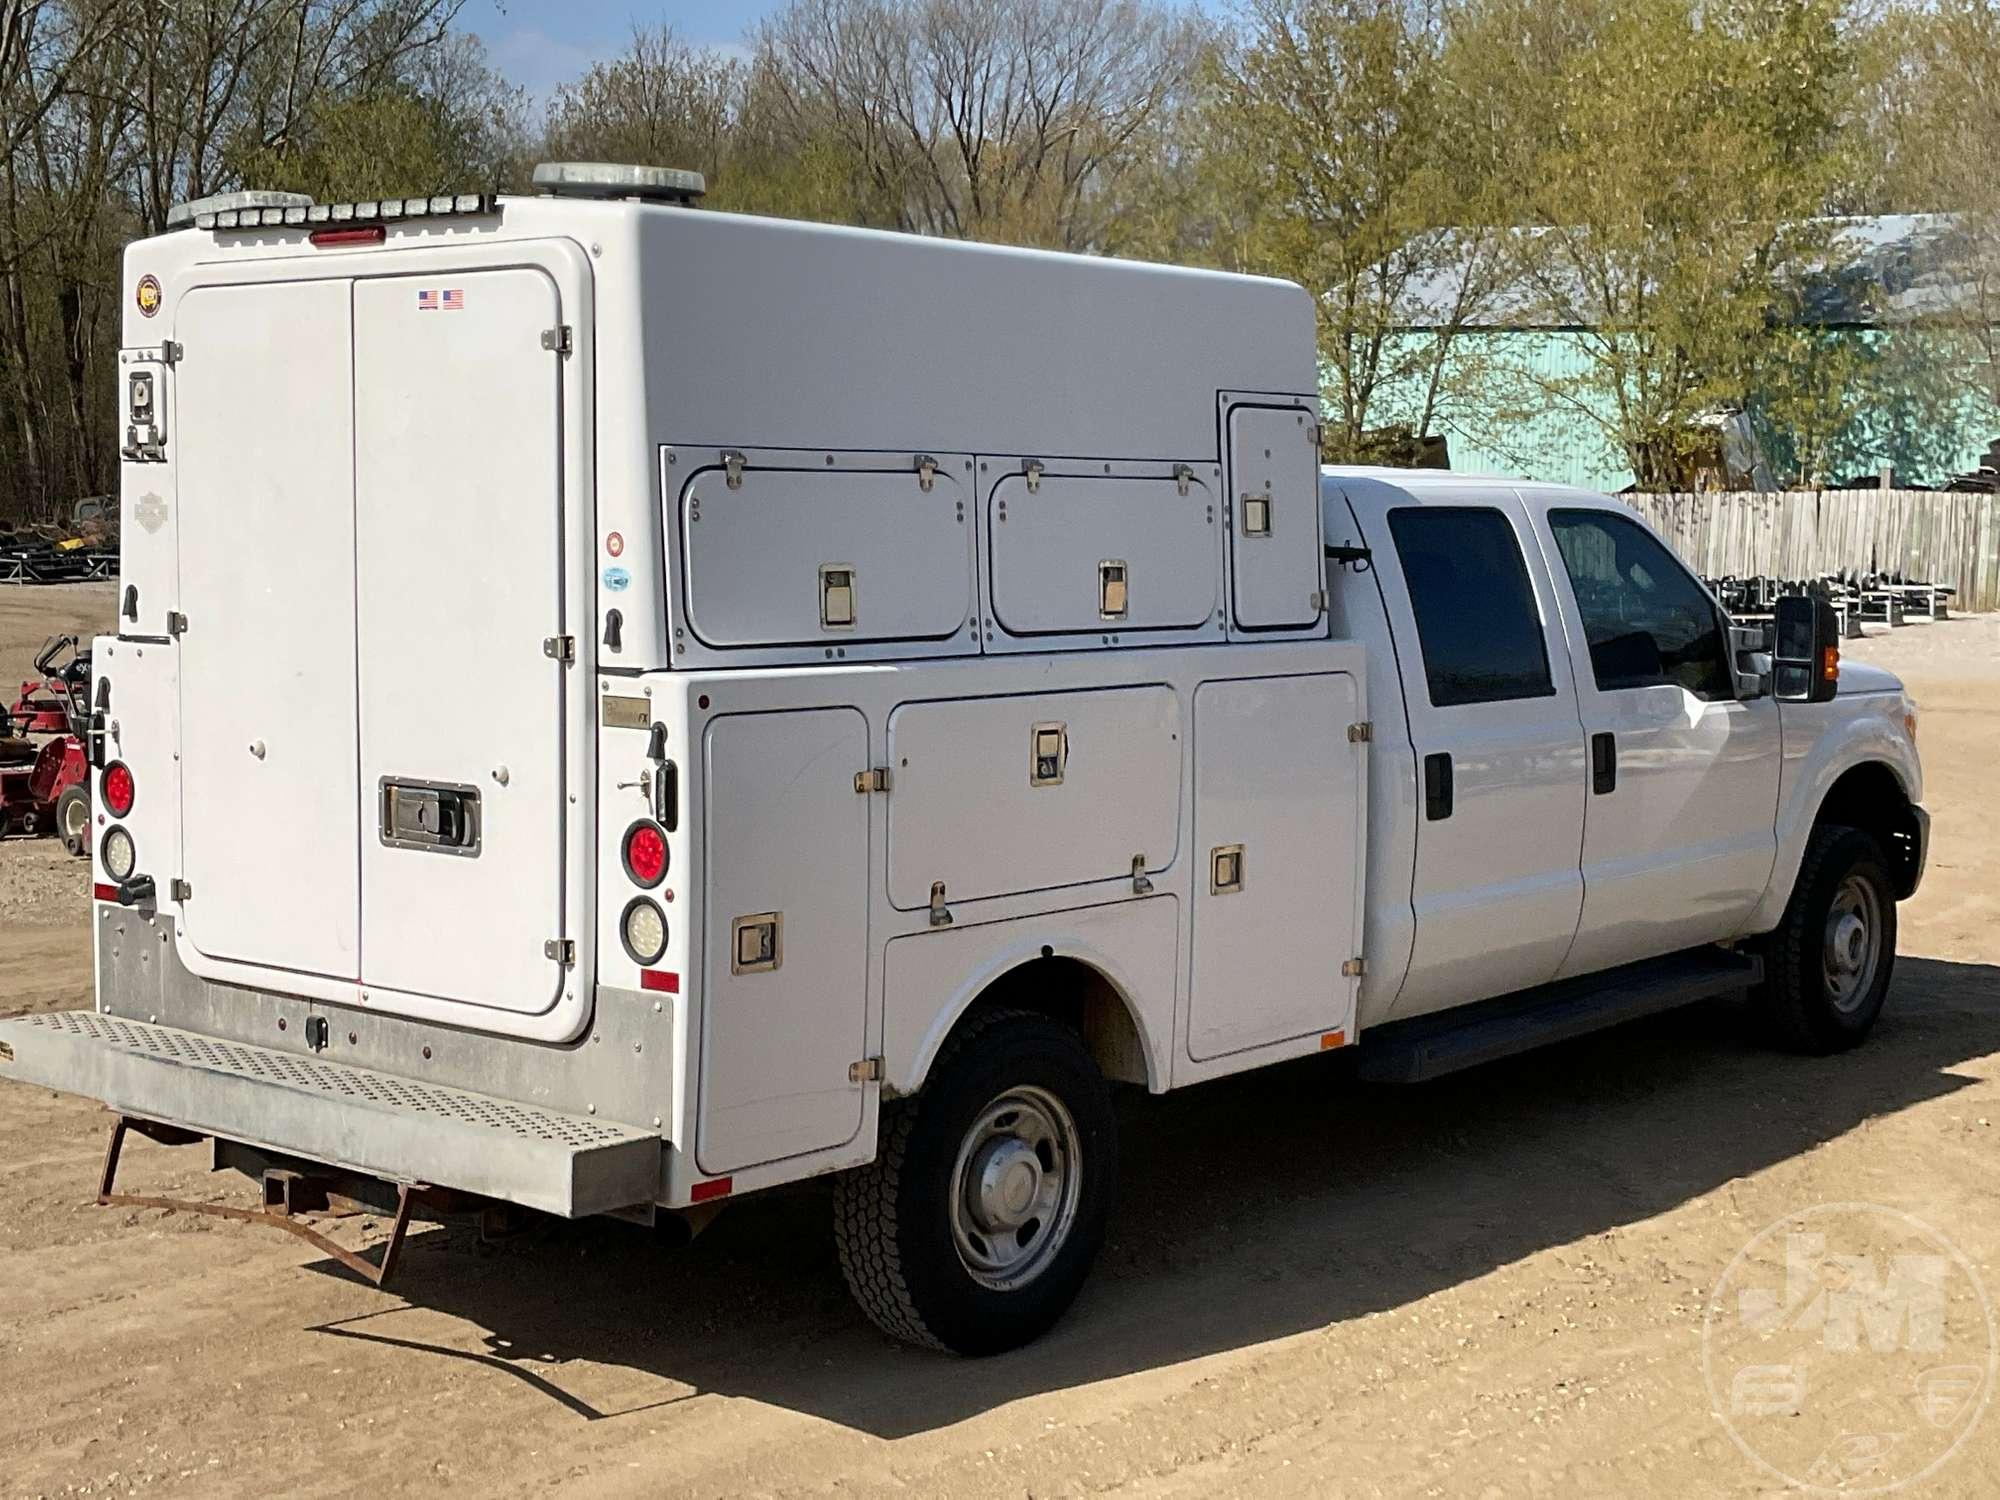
{"x":1871,"y":796}
{"x":1083,"y":993}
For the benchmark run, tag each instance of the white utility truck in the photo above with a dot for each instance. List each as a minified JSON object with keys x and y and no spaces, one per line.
{"x":616,"y":706}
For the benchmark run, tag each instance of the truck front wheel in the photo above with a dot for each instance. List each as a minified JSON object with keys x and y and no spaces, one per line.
{"x":974,"y":1227}
{"x":1827,"y":966}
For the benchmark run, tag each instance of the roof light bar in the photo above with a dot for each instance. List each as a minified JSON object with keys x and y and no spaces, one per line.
{"x":261,"y":210}
{"x":610,"y":179}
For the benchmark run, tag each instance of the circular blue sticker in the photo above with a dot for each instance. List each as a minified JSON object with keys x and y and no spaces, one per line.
{"x":615,"y":579}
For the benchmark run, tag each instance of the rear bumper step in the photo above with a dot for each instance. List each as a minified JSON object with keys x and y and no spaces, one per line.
{"x":1426,"y":1047}
{"x":373,"y":1123}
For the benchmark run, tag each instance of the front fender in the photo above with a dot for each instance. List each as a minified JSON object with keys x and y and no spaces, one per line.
{"x":1822,"y":743}
{"x":930,"y":979}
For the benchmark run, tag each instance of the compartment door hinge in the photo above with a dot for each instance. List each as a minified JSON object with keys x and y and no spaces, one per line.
{"x":177,"y":623}
{"x":868,"y":1070}
{"x":1360,"y":734}
{"x":559,"y":647}
{"x":179,"y":890}
{"x":876,"y":779}
{"x":557,"y":340}
{"x":1354,"y":968}
{"x":562,"y":950}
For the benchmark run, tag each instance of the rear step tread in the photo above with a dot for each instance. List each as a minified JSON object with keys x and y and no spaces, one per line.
{"x":380,"y":1124}
{"x":1426,"y":1047}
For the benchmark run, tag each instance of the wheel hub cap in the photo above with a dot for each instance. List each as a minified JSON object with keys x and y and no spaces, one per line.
{"x":1015,"y":1188}
{"x":1006,"y":1184}
{"x":1852,"y":944}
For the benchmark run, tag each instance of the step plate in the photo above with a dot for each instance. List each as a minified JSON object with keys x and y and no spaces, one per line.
{"x":1431,"y":1046}
{"x":395,"y":1128}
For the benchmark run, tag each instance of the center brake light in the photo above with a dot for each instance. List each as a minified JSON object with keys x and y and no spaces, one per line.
{"x":364,"y":234}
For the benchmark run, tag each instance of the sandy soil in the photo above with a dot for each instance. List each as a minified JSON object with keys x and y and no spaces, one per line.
{"x":1490,"y":1286}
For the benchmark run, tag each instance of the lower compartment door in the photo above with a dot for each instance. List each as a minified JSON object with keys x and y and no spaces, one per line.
{"x":785,"y":967}
{"x":1278,"y":829}
{"x":458,"y":499}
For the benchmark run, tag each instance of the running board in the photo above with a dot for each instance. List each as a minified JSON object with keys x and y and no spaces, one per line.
{"x":1426,"y":1047}
{"x":375,"y":1124}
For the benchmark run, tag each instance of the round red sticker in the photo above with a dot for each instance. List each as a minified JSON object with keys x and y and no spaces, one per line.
{"x":615,"y":544}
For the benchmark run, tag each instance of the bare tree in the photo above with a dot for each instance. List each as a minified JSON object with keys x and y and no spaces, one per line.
{"x":1014,"y":120}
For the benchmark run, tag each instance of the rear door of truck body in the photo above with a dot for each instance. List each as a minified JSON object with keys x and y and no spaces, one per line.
{"x":1497,"y":887}
{"x":1680,"y":827}
{"x":378,"y":747}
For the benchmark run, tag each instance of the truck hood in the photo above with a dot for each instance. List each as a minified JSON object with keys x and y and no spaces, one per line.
{"x":1864,"y":677}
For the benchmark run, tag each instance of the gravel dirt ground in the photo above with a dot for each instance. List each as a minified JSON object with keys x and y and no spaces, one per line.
{"x":1490,"y":1286}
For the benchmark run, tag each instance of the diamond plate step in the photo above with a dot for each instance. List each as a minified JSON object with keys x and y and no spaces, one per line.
{"x":390,"y":1127}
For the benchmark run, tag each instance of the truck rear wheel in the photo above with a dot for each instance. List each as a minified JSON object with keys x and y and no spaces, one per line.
{"x":974,"y":1227}
{"x":1827,"y":966}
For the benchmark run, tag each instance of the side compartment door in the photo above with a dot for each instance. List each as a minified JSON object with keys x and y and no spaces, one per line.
{"x":264,"y":439}
{"x":1278,"y":835}
{"x":1274,"y":535}
{"x":1680,"y":833}
{"x":1497,"y":886}
{"x":459,"y":535}
{"x":785,"y":935}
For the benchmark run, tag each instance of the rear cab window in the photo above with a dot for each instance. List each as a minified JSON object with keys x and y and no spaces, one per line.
{"x":1478,"y":625}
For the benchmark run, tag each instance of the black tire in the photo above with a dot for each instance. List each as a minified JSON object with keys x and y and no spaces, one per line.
{"x":1812,"y":999}
{"x":73,"y":820}
{"x":894,"y":1221}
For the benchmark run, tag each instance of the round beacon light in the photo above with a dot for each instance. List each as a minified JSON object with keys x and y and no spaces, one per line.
{"x":119,"y":855}
{"x":119,"y":789}
{"x":646,"y":853}
{"x":644,"y":930}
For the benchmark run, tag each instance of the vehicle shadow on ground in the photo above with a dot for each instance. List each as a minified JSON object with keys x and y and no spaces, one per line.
{"x":1253,"y":1208}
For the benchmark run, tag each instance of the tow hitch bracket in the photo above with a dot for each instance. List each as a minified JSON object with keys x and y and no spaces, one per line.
{"x":284,"y":1194}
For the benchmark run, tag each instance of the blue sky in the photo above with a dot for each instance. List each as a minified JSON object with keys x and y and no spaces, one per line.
{"x":541,"y":43}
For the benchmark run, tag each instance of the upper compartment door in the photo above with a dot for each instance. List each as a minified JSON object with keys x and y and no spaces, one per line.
{"x":1275,"y":556}
{"x":1086,"y":554}
{"x":264,"y":443}
{"x":459,"y":534}
{"x":797,"y":556}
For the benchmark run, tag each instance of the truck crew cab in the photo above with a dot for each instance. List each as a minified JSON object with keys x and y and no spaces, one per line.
{"x":615,"y":707}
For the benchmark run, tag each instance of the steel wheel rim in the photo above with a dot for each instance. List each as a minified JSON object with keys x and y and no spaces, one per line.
{"x":1015,"y":1188}
{"x":1851,"y":946}
{"x":75,"y":819}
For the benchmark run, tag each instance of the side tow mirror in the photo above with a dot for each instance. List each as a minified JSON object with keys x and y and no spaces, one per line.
{"x":1806,"y":667}
{"x":1750,"y":653}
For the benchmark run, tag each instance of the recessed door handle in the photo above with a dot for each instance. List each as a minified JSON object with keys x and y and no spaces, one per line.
{"x":1437,"y":786}
{"x":1603,"y":763}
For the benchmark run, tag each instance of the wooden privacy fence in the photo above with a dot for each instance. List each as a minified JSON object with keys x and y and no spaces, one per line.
{"x":1926,"y":535}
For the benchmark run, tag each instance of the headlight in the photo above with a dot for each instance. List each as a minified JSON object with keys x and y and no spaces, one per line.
{"x":119,"y":855}
{"x":644,"y":929}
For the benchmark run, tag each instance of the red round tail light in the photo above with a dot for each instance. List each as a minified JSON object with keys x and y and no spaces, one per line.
{"x":646,"y":853}
{"x":118,"y":789}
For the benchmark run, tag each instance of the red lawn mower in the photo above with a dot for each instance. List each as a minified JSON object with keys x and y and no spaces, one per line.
{"x":44,"y":771}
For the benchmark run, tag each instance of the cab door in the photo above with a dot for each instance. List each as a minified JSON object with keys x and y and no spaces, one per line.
{"x":1497,"y":887}
{"x":1680,"y":828}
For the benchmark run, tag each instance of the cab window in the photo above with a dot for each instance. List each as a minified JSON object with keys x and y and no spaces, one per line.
{"x":1647,"y":621}
{"x":1477,"y":623}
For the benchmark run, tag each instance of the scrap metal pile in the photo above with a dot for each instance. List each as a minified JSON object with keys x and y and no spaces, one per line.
{"x":83,"y":548}
{"x":1857,"y":598}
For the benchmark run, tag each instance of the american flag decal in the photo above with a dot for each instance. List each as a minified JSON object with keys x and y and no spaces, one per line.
{"x":451,"y":299}
{"x":454,"y":299}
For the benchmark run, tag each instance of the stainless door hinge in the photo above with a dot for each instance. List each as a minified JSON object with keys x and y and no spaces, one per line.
{"x":926,"y":472}
{"x":179,"y":890}
{"x":940,"y":915}
{"x":868,"y":1070}
{"x":1034,"y":473}
{"x":1183,"y":477}
{"x":877,"y":779}
{"x":559,"y":647}
{"x":1353,"y":969}
{"x":562,"y":950}
{"x":732,"y":468}
{"x":1142,"y":884}
{"x":1360,"y":734}
{"x":177,"y":623}
{"x":557,"y":340}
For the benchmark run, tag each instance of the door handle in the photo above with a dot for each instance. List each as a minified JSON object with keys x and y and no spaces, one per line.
{"x":1603,"y":763}
{"x":1437,"y":786}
